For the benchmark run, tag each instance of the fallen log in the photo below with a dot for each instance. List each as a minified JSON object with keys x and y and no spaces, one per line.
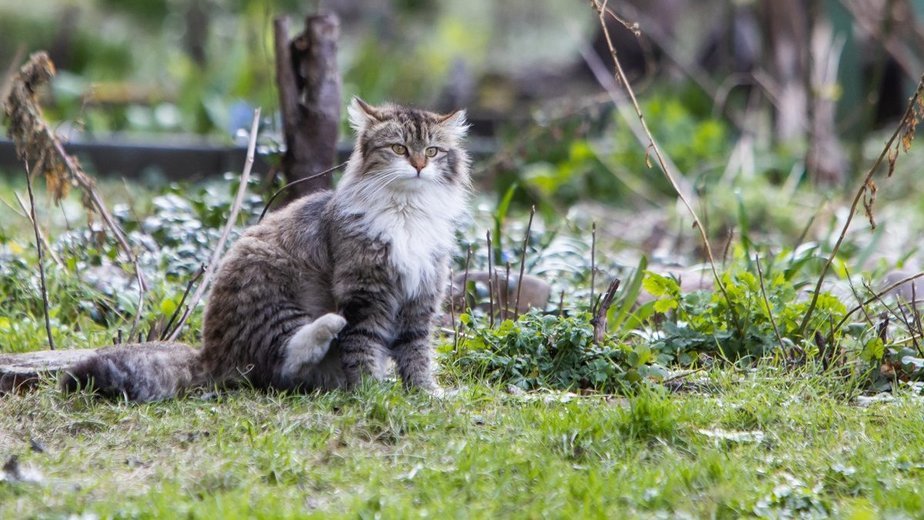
{"x":21,"y":372}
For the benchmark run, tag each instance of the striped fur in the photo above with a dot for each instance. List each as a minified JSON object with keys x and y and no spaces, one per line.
{"x":323,"y":292}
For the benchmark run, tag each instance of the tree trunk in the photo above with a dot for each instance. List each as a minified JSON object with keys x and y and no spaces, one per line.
{"x":309,"y":99}
{"x":788,"y":35}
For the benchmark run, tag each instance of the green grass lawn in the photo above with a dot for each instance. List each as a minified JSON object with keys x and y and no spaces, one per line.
{"x":763,"y":442}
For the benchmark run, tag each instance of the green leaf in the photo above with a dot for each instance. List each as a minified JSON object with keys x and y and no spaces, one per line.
{"x":665,"y":305}
{"x":873,"y":350}
{"x":660,"y":285}
{"x":629,"y":296}
{"x":168,"y":306}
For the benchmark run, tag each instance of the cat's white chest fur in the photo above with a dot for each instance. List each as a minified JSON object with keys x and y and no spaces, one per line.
{"x":419,"y":227}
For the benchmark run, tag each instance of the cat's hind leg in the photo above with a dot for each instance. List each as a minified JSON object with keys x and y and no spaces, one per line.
{"x":310,"y":343}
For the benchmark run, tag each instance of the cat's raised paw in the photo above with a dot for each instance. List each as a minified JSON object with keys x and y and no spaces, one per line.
{"x":328,"y":326}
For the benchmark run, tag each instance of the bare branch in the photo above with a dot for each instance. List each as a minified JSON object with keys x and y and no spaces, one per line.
{"x":529,"y":226}
{"x":232,"y":218}
{"x":907,"y":122}
{"x":620,"y":78}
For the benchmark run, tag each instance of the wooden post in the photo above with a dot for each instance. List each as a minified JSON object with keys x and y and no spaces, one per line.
{"x":309,"y":99}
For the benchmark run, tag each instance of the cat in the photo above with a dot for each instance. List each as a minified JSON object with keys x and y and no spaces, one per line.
{"x":323,"y":292}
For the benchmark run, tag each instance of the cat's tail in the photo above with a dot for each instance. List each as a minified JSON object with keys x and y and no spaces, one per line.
{"x":138,"y":372}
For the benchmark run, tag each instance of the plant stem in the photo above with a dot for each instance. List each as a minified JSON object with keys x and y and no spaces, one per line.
{"x":490,"y":284}
{"x":232,"y":218}
{"x":620,"y":78}
{"x":763,"y":291}
{"x":529,"y":226}
{"x":41,"y":257}
{"x":908,"y":115}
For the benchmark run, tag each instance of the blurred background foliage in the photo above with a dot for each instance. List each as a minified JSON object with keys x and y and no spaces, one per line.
{"x":708,"y":73}
{"x":187,"y":65}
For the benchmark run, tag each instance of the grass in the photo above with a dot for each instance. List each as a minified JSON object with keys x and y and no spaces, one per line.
{"x":480,"y":452}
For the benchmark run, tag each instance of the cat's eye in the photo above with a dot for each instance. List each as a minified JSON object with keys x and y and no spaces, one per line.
{"x":431,"y":151}
{"x":399,"y":149}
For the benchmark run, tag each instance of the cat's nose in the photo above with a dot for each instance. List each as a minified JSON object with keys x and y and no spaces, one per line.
{"x":418,"y":162}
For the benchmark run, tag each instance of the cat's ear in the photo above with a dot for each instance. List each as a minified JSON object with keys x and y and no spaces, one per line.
{"x":455,"y":123}
{"x":362,"y":114}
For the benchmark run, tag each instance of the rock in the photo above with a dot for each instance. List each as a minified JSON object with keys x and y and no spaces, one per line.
{"x":14,"y":472}
{"x":534,"y":293}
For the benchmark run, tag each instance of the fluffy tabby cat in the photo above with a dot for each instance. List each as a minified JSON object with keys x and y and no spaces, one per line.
{"x":324,"y":291}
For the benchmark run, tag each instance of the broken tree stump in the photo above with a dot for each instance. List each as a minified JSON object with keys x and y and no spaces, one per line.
{"x":309,"y":99}
{"x":21,"y":372}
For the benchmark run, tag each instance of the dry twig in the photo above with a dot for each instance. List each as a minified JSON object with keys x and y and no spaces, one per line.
{"x":529,"y":226}
{"x":600,"y":310}
{"x":491,"y":277}
{"x":180,"y":306}
{"x":620,"y":77}
{"x":763,"y":292}
{"x":37,"y":145}
{"x":41,"y":257}
{"x":905,"y":131}
{"x":28,"y":215}
{"x":232,"y":218}
{"x":875,"y":297}
{"x":593,"y":262}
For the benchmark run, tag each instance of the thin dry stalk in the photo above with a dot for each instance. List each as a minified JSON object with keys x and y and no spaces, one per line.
{"x":593,"y":263}
{"x":899,"y":307}
{"x":916,"y":312}
{"x":37,"y":145}
{"x":875,"y":297}
{"x":602,"y":308}
{"x":857,"y":295}
{"x":763,"y":292}
{"x":452,"y":313}
{"x":905,"y":127}
{"x":529,"y":226}
{"x":41,"y":257}
{"x":899,"y":318}
{"x":28,"y":214}
{"x":176,"y":312}
{"x":490,"y":283}
{"x":506,"y":310}
{"x":281,"y":190}
{"x":468,"y":263}
{"x":727,"y":247}
{"x":456,"y":327}
{"x":232,"y":218}
{"x":909,"y":323}
{"x":140,"y":307}
{"x":620,"y":78}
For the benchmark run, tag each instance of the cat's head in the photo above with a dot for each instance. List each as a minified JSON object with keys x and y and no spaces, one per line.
{"x":407,"y":149}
